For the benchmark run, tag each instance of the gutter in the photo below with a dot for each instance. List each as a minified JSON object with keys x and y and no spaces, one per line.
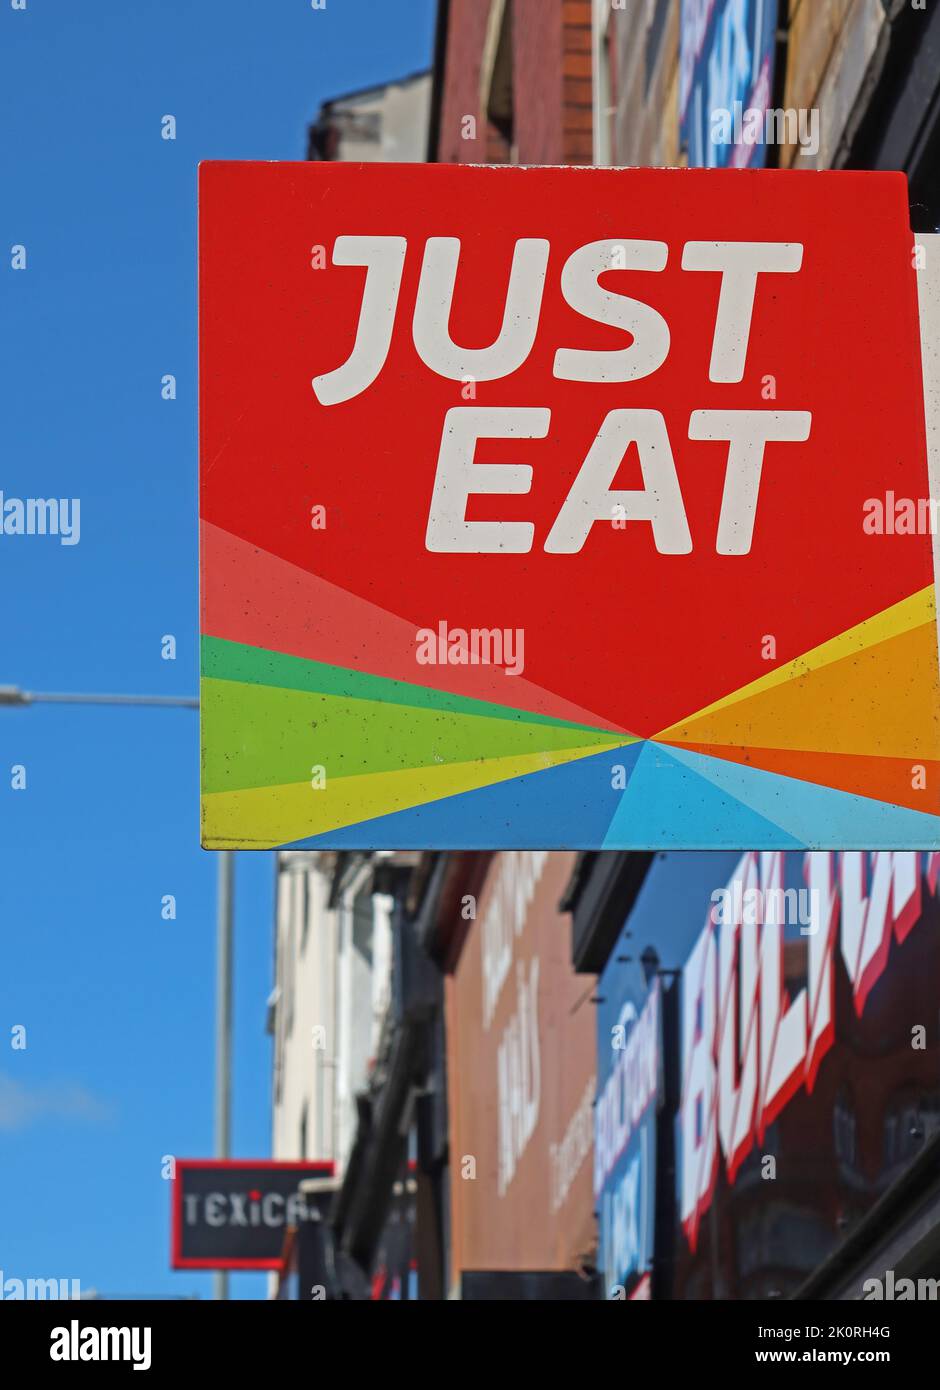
{"x":438,"y":65}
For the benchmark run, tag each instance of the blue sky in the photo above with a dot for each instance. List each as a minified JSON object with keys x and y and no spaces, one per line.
{"x":117,"y":1002}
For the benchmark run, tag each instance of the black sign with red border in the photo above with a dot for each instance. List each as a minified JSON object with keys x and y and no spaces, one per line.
{"x":235,"y":1213}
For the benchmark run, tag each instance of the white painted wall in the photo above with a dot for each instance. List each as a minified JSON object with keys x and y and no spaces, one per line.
{"x":305,"y":1017}
{"x":332,"y":993}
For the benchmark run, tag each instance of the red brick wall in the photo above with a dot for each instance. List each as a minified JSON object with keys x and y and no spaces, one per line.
{"x":577,"y":115}
{"x":466,"y":34}
{"x":551,"y":84}
{"x":537,"y":49}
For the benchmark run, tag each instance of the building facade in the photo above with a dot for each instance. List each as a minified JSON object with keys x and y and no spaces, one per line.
{"x":332,"y":980}
{"x":837,"y":84}
{"x":768,"y":1112}
{"x":520,"y":1067}
{"x":386,"y":123}
{"x":513,"y":83}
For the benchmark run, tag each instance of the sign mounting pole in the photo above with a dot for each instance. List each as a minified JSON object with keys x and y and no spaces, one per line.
{"x":223,"y":1024}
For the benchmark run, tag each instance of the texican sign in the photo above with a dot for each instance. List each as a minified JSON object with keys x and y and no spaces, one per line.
{"x":234,"y":1214}
{"x":551,"y":508}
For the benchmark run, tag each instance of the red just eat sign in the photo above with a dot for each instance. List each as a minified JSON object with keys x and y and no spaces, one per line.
{"x":540,"y":508}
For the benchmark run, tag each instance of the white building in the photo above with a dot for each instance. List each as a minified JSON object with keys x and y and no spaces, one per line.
{"x":332,"y":973}
{"x":387,"y":122}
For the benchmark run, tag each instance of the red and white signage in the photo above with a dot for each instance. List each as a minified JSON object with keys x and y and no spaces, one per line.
{"x":565,"y":508}
{"x":747,"y":1047}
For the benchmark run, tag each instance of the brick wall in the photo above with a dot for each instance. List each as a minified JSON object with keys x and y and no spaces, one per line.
{"x":466,"y":35}
{"x":536,"y":80}
{"x":551,"y":79}
{"x":577,"y":112}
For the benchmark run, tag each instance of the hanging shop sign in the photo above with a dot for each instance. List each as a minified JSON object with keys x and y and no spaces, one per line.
{"x":564,"y":508}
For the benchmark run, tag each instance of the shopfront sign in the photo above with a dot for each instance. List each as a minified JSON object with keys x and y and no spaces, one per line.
{"x":540,"y":509}
{"x":230,"y":1214}
{"x":726,"y":71}
{"x":806,"y":1054}
{"x":629,"y":1051}
{"x":748,"y":1043}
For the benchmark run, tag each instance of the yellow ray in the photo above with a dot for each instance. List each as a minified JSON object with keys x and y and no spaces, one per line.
{"x":918,"y":610}
{"x":265,"y":817}
{"x":881,"y":702}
